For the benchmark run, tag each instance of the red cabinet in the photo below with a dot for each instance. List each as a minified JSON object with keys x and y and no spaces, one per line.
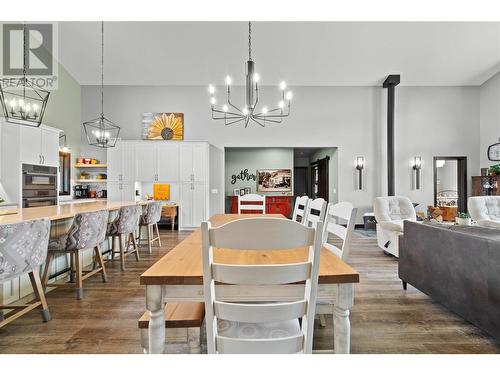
{"x":274,"y":205}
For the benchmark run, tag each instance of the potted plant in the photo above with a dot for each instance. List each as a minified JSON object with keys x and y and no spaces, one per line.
{"x":463,"y":218}
{"x":495,"y":170}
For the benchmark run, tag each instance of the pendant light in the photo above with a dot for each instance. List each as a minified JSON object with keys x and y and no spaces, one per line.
{"x":231,"y":114}
{"x":101,"y":132}
{"x":23,"y":102}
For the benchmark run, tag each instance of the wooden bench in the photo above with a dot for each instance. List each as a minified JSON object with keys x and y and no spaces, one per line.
{"x":183,"y":320}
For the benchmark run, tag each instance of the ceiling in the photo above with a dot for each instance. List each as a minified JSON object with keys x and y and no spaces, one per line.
{"x":303,"y":53}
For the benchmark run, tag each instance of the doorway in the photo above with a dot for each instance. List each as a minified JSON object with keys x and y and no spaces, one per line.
{"x":450,"y":184}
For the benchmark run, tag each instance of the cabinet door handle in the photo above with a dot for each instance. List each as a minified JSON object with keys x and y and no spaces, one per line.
{"x":43,"y":159}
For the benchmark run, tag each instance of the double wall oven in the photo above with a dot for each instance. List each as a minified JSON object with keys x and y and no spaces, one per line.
{"x":39,"y":185}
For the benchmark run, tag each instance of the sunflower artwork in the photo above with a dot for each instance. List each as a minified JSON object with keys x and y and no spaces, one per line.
{"x":167,"y":126}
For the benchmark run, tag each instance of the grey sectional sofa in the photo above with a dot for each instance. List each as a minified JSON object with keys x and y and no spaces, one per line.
{"x":457,"y":266}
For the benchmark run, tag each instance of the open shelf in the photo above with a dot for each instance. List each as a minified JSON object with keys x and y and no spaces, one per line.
{"x":91,"y":165}
{"x":88,"y":180}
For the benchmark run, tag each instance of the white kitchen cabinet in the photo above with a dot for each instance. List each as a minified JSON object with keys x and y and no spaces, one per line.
{"x":167,"y":162}
{"x":121,"y":191}
{"x":193,"y":204}
{"x":147,"y":161}
{"x":39,"y":146}
{"x":159,"y":161}
{"x":193,"y":165}
{"x":121,"y":161}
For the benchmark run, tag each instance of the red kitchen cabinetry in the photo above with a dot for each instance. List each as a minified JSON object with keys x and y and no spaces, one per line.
{"x":275,"y":204}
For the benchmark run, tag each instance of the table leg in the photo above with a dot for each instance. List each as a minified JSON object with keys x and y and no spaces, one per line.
{"x":156,"y":307}
{"x":341,"y":322}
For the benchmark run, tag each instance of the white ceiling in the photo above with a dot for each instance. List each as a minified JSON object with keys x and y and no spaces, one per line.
{"x":303,"y":53}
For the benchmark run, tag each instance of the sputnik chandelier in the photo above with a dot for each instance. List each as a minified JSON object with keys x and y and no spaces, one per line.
{"x":232,"y":114}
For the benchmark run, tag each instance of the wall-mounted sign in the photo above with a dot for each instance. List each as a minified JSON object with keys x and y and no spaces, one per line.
{"x":243,"y":176}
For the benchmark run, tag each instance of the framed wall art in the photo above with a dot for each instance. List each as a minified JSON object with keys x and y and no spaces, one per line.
{"x":273,"y":180}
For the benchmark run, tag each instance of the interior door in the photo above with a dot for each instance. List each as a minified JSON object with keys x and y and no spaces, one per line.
{"x":146,"y":161}
{"x":320,"y":178}
{"x":168,"y":162}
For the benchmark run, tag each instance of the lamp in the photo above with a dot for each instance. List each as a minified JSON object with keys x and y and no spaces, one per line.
{"x":64,"y":147}
{"x":417,"y":165}
{"x":360,"y":164}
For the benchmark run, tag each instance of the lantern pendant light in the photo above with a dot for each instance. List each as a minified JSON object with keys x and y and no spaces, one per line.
{"x":25,"y":102}
{"x":101,"y":132}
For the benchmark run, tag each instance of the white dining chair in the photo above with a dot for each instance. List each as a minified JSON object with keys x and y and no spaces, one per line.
{"x":272,"y":327}
{"x":339,"y":222}
{"x":253,"y":202}
{"x":300,"y":209}
{"x":315,"y":212}
{"x":340,"y":219}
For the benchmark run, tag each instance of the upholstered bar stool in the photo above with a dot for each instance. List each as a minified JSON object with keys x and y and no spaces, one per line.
{"x":87,"y":231}
{"x":151,"y":215}
{"x":123,"y":229}
{"x":23,"y":249}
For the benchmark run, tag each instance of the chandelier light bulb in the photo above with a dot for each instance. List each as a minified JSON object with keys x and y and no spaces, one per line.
{"x":281,"y":104}
{"x":245,"y":111}
{"x":224,"y":108}
{"x":256,"y":77}
{"x":228,"y":80}
{"x":264,"y":110}
{"x":288,"y":95}
{"x":211,"y":89}
{"x":212,"y":100}
{"x":283,"y":85}
{"x":21,"y":103}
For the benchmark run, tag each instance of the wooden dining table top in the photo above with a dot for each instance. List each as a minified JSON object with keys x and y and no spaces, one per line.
{"x":183,"y":264}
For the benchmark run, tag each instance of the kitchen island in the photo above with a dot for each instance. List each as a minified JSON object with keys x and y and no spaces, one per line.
{"x":62,"y":211}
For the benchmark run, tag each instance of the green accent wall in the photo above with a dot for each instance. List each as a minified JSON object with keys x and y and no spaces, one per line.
{"x":252,"y":159}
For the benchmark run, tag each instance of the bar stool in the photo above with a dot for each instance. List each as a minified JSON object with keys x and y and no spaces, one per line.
{"x":123,"y":227}
{"x":87,"y":231}
{"x":23,"y":249}
{"x":151,"y":215}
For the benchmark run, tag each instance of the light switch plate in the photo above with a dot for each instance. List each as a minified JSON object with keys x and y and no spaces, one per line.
{"x":214,"y":191}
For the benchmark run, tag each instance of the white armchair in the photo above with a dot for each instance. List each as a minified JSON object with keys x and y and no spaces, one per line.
{"x":485,"y":210}
{"x":390,"y":213}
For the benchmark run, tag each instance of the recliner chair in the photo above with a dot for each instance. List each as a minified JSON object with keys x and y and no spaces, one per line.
{"x":485,"y":210}
{"x":390,"y":212}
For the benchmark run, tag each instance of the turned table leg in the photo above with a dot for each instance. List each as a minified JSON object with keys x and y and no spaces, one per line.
{"x":341,"y":322}
{"x":156,"y":308}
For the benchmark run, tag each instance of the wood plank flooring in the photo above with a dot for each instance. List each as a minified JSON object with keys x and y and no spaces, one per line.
{"x":385,"y":319}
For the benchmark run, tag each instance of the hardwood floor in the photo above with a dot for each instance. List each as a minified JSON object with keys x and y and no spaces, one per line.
{"x":385,"y":319}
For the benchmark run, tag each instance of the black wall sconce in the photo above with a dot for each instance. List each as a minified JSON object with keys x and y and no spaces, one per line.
{"x":360,"y":164}
{"x":417,"y":165}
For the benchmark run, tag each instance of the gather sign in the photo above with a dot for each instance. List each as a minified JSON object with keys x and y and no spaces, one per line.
{"x":244,"y":175}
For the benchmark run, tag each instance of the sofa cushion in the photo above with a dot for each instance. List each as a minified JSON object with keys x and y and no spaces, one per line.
{"x":394,"y":226}
{"x":489,"y":224}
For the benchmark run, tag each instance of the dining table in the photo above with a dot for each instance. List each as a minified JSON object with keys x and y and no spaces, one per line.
{"x":178,"y":277}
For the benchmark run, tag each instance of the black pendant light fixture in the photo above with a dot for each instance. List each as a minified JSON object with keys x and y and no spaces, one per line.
{"x":101,"y":132}
{"x":23,"y":102}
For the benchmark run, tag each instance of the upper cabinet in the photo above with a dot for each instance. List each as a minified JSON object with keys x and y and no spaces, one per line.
{"x":121,"y":162}
{"x":159,"y":161}
{"x":39,"y":146}
{"x":194,"y":162}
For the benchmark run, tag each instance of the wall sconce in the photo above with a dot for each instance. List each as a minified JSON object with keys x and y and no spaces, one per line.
{"x":417,"y":165}
{"x":360,"y":164}
{"x":64,"y":147}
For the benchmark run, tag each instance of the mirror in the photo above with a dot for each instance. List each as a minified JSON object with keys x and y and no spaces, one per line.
{"x":450,"y":185}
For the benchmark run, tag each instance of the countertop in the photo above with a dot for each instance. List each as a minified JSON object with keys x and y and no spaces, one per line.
{"x":62,"y":211}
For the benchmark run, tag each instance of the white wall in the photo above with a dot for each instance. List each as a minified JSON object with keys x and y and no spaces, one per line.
{"x":430,"y":121}
{"x":490,"y":117}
